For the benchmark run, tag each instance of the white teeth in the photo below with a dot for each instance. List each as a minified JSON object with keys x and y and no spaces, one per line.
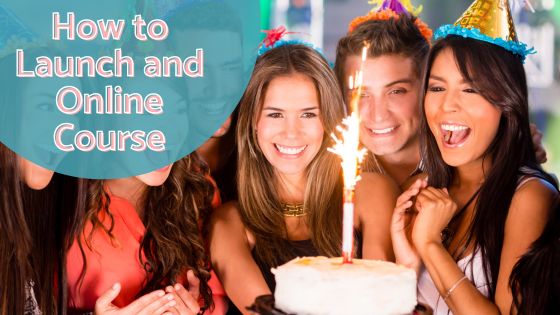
{"x":290,"y":150}
{"x":450,"y":127}
{"x":382,"y":131}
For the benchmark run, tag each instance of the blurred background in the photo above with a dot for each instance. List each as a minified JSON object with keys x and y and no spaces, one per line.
{"x":326,"y":21}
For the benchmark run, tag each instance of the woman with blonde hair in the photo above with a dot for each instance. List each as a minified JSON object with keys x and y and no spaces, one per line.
{"x":290,"y":187}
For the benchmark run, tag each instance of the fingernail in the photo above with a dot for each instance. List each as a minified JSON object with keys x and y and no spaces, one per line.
{"x":170,"y":297}
{"x":177,"y":287}
{"x":116,"y":286}
{"x":172,"y":303}
{"x":161,"y":293}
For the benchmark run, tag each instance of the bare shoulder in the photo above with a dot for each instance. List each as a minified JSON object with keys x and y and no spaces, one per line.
{"x":226,"y":222}
{"x":227,"y":211}
{"x":375,"y":182}
{"x":531,"y":204}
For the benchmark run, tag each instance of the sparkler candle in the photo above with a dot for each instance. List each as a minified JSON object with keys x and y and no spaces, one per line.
{"x":351,"y":155}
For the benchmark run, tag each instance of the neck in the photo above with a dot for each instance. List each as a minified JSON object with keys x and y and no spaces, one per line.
{"x":130,"y":189}
{"x":472,"y":174}
{"x":401,"y":164}
{"x":291,"y":188}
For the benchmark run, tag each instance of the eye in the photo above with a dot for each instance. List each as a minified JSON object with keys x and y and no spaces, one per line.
{"x":471,"y":90}
{"x":398,"y":91}
{"x":308,"y":115}
{"x":435,"y":88}
{"x":274,"y":115}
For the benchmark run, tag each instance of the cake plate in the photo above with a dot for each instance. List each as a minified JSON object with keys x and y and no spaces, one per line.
{"x":264,"y":305}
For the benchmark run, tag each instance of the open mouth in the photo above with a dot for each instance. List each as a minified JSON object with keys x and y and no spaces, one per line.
{"x":454,"y":135}
{"x":291,"y":151}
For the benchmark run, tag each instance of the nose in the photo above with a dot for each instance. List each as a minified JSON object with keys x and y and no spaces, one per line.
{"x":374,"y":109}
{"x":451,"y":102}
{"x":212,"y":84}
{"x":292,"y":127}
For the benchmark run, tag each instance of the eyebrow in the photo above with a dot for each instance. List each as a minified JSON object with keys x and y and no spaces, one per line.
{"x":409,"y":81}
{"x":435,"y":77}
{"x":281,"y":110}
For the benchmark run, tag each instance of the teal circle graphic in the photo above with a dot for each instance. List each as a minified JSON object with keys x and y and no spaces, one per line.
{"x":108,"y":89}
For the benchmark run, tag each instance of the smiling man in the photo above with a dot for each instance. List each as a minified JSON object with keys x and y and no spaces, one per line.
{"x":389,"y":102}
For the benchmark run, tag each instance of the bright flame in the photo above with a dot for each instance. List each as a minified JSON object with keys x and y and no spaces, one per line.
{"x":348,"y":149}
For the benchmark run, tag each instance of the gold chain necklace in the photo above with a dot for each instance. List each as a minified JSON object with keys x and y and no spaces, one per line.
{"x":293,"y":210}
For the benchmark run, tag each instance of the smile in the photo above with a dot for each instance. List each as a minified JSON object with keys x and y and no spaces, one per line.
{"x":454,"y":135}
{"x":290,"y":150}
{"x":382,"y":132}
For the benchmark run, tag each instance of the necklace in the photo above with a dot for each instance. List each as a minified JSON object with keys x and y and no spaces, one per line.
{"x":293,"y":210}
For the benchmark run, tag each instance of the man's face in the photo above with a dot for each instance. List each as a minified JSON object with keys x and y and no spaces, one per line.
{"x":388,"y":104}
{"x":219,"y":91}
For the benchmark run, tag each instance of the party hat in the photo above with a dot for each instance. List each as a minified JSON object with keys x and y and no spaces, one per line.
{"x":276,"y":38}
{"x":392,"y":9}
{"x":489,"y":21}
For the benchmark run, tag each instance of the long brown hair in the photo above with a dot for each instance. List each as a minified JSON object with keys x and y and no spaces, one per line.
{"x":260,"y":206}
{"x":172,"y":216}
{"x":36,"y":228}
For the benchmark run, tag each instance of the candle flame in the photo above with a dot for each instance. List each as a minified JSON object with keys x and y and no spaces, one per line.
{"x":348,"y":148}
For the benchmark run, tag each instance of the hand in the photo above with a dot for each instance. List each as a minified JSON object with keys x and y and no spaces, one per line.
{"x":156,"y":302}
{"x":405,"y":253}
{"x":187,"y":300}
{"x":435,"y":211}
{"x":537,"y":136}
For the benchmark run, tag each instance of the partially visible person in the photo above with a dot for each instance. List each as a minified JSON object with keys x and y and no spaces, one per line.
{"x":39,"y":212}
{"x":143,"y":232}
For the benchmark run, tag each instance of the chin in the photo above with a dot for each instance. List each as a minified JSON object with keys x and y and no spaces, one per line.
{"x":39,"y":181}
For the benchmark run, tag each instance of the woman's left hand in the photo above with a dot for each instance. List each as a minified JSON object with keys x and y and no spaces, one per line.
{"x":435,"y":210}
{"x":187,"y":299}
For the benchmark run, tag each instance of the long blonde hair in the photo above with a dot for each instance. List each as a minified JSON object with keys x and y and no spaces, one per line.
{"x":260,"y":207}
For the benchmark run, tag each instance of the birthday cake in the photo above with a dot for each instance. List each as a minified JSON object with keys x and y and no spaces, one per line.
{"x":325,"y":286}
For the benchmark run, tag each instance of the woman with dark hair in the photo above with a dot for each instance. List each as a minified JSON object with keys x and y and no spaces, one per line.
{"x":141,"y":235}
{"x":486,"y":199}
{"x":38,"y":217}
{"x":290,"y":189}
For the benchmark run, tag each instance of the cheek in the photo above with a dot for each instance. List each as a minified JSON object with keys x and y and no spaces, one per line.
{"x":317,"y":132}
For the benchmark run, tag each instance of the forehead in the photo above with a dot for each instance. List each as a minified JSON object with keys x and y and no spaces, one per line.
{"x":445,"y":66}
{"x":382,"y":69}
{"x":291,"y":91}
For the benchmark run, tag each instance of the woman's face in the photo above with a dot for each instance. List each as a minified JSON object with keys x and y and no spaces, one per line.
{"x":157,"y":177}
{"x":289,"y":127}
{"x":34,"y":176}
{"x":463,"y":122}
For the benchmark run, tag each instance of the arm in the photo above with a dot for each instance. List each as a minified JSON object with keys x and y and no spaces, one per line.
{"x":230,"y":251}
{"x":375,"y":200}
{"x":527,"y":215}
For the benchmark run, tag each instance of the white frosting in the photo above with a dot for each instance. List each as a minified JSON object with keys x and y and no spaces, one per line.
{"x":325,"y":286}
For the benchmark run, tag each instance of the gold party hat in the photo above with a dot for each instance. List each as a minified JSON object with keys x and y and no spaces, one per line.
{"x":491,"y":17}
{"x":489,"y":21}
